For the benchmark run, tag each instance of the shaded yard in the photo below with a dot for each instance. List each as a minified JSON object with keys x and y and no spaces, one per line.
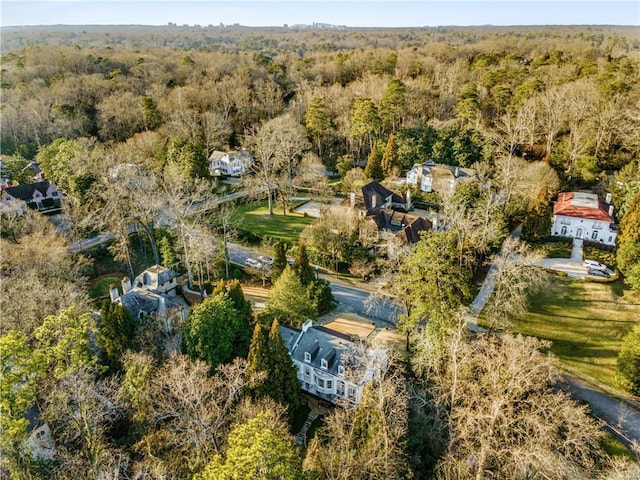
{"x":586,"y":323}
{"x":100,"y":287}
{"x":255,"y":218}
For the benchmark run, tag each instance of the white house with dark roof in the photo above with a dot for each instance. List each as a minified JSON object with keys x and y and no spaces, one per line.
{"x":42,"y":196}
{"x":331,"y":365}
{"x":153,"y":293}
{"x":231,"y":163}
{"x":431,"y":176}
{"x":586,"y":216}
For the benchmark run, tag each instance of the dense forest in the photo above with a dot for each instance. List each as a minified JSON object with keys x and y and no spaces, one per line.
{"x":124,"y":119}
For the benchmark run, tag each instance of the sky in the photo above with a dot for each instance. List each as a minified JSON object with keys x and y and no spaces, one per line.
{"x":354,"y":13}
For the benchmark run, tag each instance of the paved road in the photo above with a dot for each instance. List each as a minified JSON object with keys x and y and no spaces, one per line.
{"x":622,"y":419}
{"x":363,"y":303}
{"x":357,"y":299}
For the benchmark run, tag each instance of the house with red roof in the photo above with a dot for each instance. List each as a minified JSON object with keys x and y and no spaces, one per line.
{"x":584,"y":215}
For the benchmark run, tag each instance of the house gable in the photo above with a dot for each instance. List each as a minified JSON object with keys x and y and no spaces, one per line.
{"x":330,"y":364}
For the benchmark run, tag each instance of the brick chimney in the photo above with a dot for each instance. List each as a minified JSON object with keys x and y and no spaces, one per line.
{"x":608,"y":199}
{"x":611,"y":211}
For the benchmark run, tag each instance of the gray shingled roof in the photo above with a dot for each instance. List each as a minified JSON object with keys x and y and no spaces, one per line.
{"x":374,"y":189}
{"x":25,"y":192}
{"x":321,"y":343}
{"x":139,"y":302}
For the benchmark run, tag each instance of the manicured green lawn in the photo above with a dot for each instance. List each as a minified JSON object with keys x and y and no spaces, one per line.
{"x":586,"y":323}
{"x":255,"y":218}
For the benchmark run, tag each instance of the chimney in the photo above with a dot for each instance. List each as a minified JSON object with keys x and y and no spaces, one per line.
{"x":126,"y":285}
{"x":306,"y":325}
{"x":352,"y":197}
{"x":374,"y":201}
{"x":611,"y":211}
{"x":608,"y":199}
{"x":456,"y":172}
{"x":113,"y":292}
{"x":408,"y":199}
{"x":162,"y":307}
{"x":40,"y":177}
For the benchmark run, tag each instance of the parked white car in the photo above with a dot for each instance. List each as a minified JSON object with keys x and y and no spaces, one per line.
{"x":253,"y":263}
{"x":593,"y":265}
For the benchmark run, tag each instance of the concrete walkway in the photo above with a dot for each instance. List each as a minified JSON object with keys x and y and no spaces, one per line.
{"x":571,"y":266}
{"x":485,"y":292}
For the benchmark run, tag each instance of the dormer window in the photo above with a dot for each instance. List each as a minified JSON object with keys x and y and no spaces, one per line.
{"x":323,"y":364}
{"x":340,"y":370}
{"x":307,"y":357}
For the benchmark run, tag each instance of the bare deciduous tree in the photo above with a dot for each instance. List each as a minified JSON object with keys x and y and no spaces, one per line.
{"x":503,"y":418}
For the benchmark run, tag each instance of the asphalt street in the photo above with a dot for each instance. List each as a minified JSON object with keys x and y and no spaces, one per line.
{"x":621,"y":418}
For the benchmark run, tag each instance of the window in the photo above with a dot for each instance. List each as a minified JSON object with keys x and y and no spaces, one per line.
{"x":340,"y":388}
{"x":565,"y":221}
{"x":329,"y":384}
{"x":307,"y":371}
{"x":307,"y":357}
{"x":610,"y":238}
{"x":563,"y":231}
{"x":54,"y":194}
{"x":340,"y":370}
{"x":597,"y":225}
{"x":594,"y":235}
{"x":323,"y":364}
{"x":320,"y":382}
{"x":351,"y":394}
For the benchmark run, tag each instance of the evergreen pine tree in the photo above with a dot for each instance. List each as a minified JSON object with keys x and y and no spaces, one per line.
{"x":245,"y":316}
{"x":301,"y":266}
{"x":282,"y":382}
{"x":167,"y":253}
{"x":212,"y":330}
{"x":279,"y":261}
{"x":289,"y":300}
{"x":258,"y":361}
{"x":390,"y":158}
{"x":374,"y":167}
{"x":117,"y":329}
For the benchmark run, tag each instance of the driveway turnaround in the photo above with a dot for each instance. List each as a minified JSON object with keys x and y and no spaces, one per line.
{"x":571,"y":266}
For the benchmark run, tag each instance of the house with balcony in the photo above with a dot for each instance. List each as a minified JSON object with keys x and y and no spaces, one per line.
{"x":434,"y":177}
{"x":584,"y":215}
{"x":331,"y":366}
{"x":230,"y":164}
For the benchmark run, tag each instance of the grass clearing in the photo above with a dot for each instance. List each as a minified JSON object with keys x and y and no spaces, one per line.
{"x":585,"y":322}
{"x":101,"y":287}
{"x":255,"y":218}
{"x":554,"y":249}
{"x":616,"y":449}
